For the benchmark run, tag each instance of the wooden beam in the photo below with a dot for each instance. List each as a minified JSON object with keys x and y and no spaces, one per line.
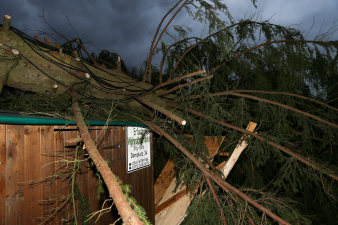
{"x":238,"y":151}
{"x":173,"y":206}
{"x":213,"y":145}
{"x":163,"y":181}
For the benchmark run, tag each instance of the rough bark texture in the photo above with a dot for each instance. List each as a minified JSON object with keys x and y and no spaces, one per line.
{"x":49,"y":71}
{"x":115,"y":192}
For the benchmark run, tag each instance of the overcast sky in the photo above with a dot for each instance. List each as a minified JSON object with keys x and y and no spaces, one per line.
{"x":127,"y":26}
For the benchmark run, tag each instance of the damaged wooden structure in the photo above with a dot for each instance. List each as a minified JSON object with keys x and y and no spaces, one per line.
{"x":34,"y":153}
{"x":171,"y":202}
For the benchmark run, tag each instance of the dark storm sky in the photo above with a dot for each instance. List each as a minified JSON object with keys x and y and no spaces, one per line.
{"x":127,"y":26}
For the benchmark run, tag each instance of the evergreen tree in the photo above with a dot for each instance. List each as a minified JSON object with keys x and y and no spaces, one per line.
{"x":268,"y":74}
{"x":242,"y":71}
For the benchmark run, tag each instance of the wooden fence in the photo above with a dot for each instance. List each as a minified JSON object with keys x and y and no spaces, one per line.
{"x":29,"y":152}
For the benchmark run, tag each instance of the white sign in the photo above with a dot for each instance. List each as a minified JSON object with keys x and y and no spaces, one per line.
{"x":138,"y":148}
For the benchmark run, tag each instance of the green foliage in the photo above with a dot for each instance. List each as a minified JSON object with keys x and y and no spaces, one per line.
{"x":262,"y":72}
{"x":246,"y":57}
{"x":140,"y":212}
{"x":83,"y":207}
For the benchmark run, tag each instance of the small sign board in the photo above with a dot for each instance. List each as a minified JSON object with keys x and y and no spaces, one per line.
{"x":138,"y":148}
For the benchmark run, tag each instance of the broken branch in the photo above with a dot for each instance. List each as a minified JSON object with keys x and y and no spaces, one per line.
{"x":224,"y":185}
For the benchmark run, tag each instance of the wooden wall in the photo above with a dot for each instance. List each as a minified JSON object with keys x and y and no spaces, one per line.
{"x":27,"y":153}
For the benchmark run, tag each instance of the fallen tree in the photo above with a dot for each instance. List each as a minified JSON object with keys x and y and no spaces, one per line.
{"x":201,"y":94}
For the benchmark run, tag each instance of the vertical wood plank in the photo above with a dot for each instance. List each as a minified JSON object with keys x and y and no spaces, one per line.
{"x":47,"y":168}
{"x":32,"y":173}
{"x":69,"y":155}
{"x":14,"y":175}
{"x":2,"y":172}
{"x":58,"y":187}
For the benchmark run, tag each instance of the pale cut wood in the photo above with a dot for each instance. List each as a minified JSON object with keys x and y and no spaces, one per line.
{"x":237,"y":152}
{"x":163,"y":181}
{"x":167,"y":175}
{"x":7,"y":22}
{"x":173,"y":206}
{"x":167,"y":211}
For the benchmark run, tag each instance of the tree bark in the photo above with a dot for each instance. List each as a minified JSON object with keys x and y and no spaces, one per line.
{"x":127,"y":214}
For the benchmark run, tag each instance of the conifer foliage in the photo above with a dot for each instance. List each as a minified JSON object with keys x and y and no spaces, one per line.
{"x":268,"y":74}
{"x":241,"y":71}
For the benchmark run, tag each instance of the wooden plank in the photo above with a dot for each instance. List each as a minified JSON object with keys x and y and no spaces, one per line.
{"x":14,"y":175}
{"x":58,"y":185}
{"x":213,"y":143}
{"x":47,"y":167}
{"x":2,"y":172}
{"x":237,"y":152}
{"x":171,"y":200}
{"x":163,"y":181}
{"x":171,"y":209}
{"x":32,"y":173}
{"x":166,"y":177}
{"x":72,"y":133}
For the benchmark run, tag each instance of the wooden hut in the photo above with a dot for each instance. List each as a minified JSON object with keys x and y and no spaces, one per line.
{"x":35,"y":149}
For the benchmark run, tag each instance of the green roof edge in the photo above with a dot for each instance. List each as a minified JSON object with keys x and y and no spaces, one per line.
{"x":52,"y":121}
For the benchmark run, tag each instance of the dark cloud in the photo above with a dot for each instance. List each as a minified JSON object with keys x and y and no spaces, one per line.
{"x":127,"y":27}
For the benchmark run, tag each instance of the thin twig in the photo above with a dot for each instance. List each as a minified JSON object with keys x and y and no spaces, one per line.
{"x":178,"y":79}
{"x":288,"y":94}
{"x":286,"y":150}
{"x":264,"y":44}
{"x":275,"y":103}
{"x":217,"y":200}
{"x":186,"y":84}
{"x":158,"y":40}
{"x":224,"y":185}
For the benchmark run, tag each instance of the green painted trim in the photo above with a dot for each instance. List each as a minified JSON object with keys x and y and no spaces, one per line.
{"x":27,"y":120}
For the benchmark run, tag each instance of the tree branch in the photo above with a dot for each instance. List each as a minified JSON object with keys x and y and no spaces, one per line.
{"x":217,"y":200}
{"x":288,"y":151}
{"x":160,"y":37}
{"x":224,"y":185}
{"x":162,"y":110}
{"x":275,"y":103}
{"x":288,"y":94}
{"x":128,"y":215}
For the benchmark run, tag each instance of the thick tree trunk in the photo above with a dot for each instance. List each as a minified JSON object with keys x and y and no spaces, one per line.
{"x":46,"y":70}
